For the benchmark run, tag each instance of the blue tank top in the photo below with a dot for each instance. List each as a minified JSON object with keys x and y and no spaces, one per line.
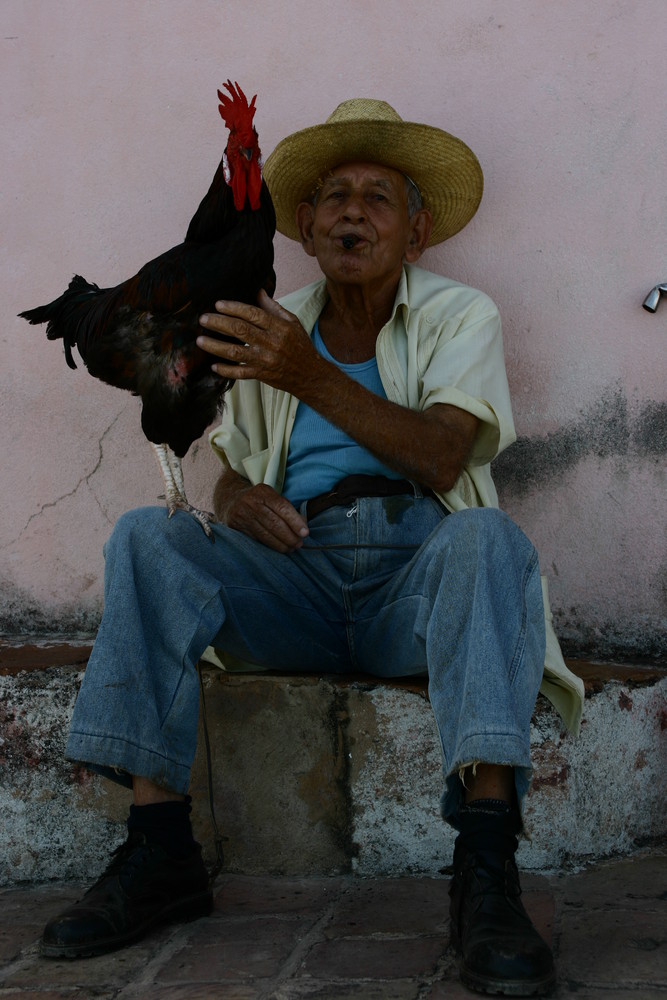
{"x":320,"y":454}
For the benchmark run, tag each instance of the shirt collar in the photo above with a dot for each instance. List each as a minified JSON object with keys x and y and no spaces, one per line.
{"x":312,"y":306}
{"x":315,"y":302}
{"x":401,"y":293}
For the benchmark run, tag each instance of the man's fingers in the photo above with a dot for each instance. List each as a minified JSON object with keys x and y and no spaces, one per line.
{"x":283,"y":521}
{"x":232,"y":317}
{"x":259,"y":533}
{"x":255,"y":314}
{"x":252,"y":314}
{"x":269,"y":518}
{"x":222,"y":348}
{"x":229,"y":326}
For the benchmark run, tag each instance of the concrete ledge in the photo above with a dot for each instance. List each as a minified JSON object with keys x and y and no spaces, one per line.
{"x":327,"y":775}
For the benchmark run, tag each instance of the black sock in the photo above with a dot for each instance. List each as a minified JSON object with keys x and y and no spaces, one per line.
{"x":167,"y":824}
{"x":489,"y":828}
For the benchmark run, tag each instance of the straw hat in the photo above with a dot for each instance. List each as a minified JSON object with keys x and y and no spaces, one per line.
{"x":445,"y":170}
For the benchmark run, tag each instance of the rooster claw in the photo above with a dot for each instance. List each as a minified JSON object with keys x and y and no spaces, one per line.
{"x":172,"y":473}
{"x":203,"y":517}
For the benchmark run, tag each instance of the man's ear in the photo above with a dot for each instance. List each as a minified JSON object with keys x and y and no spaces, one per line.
{"x":305,"y":216}
{"x":421,"y":225}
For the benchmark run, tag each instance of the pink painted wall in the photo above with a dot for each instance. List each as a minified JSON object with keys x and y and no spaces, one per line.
{"x":111,"y":135}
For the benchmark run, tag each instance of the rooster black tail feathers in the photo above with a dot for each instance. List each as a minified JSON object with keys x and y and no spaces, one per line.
{"x":61,"y":314}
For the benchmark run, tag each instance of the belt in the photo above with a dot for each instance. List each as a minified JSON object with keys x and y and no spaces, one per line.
{"x":353,"y":487}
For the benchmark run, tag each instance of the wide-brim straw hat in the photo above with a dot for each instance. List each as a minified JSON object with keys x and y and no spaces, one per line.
{"x":444,"y":168}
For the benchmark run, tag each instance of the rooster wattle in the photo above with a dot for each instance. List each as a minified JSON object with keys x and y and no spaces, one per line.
{"x":141,"y":334}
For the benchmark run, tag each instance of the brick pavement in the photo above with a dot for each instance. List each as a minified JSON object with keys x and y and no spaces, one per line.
{"x":342,"y":937}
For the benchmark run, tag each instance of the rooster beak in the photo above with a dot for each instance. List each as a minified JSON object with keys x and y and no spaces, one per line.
{"x":247,"y":153}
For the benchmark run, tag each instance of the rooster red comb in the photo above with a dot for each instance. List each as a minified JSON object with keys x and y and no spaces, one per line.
{"x":235,"y":111}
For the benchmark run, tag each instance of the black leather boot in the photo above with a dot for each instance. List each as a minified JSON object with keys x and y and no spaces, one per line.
{"x":142,"y":887}
{"x":501,"y":952}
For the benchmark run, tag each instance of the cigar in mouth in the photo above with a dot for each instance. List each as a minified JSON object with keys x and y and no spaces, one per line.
{"x":350,"y":241}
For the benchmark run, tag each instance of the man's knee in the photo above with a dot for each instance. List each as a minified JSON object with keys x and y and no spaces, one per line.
{"x":479,"y":526}
{"x":135,"y":525}
{"x":482,"y":542}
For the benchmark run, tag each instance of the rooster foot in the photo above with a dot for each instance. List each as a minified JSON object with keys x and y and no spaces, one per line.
{"x":203,"y":517}
{"x":172,"y":473}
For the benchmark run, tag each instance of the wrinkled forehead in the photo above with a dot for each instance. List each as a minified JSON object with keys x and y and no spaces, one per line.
{"x":363,"y":173}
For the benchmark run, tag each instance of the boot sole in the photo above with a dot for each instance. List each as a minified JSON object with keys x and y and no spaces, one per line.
{"x":501,"y":987}
{"x":181,"y":911}
{"x":508,"y":987}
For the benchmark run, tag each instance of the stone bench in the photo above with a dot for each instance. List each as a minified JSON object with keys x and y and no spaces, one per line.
{"x":327,"y":775}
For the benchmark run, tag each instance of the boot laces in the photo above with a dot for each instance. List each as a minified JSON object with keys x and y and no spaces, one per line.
{"x":127,"y":858}
{"x":493,"y":878}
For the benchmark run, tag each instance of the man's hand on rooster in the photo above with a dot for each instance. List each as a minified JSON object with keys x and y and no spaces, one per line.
{"x":269,"y":345}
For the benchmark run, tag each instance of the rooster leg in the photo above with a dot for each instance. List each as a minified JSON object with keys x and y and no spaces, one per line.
{"x":176,"y":467}
{"x":172,"y":473}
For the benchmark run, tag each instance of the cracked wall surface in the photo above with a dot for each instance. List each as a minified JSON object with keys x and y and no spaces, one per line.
{"x":559,"y":101}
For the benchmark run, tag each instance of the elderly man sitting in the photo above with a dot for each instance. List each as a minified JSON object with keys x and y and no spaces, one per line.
{"x":359,"y":531}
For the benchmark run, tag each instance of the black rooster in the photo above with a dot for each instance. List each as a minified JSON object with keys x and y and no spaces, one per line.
{"x":141,"y":334}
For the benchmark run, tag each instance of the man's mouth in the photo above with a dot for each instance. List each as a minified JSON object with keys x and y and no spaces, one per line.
{"x":349,"y":241}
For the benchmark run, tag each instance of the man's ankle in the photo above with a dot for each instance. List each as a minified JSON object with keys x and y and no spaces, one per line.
{"x":165,"y":823}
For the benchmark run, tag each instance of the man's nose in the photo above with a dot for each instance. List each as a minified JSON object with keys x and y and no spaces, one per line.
{"x":354,"y":210}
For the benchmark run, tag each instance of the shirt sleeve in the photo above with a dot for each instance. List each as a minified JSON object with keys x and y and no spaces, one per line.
{"x":463,"y":364}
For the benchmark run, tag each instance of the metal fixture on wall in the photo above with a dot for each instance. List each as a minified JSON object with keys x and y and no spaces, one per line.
{"x":651,"y":301}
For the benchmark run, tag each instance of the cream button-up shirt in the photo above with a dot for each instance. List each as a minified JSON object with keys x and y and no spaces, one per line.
{"x":442,"y":344}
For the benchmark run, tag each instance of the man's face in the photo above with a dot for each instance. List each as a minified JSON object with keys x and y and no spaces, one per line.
{"x":359,"y":228}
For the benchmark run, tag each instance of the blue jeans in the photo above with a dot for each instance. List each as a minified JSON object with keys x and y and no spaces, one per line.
{"x":391,"y":587}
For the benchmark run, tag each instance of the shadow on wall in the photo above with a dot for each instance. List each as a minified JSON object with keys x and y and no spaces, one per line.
{"x":609,"y":428}
{"x":604,"y":430}
{"x":21,"y":616}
